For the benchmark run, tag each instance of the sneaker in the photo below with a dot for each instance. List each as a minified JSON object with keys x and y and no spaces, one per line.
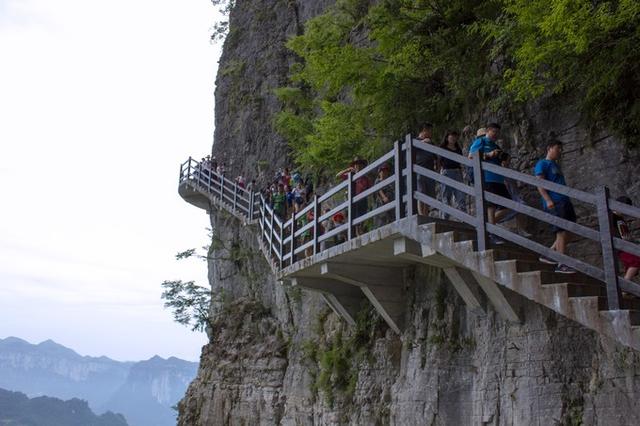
{"x":547,"y":260}
{"x":564,"y":269}
{"x":495,"y":240}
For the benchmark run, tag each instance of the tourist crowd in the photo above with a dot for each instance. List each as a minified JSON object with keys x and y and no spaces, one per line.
{"x":289,"y":192}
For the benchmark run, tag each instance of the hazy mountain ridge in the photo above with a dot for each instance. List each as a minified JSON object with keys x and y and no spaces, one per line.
{"x":143,"y":391}
{"x":18,"y":410}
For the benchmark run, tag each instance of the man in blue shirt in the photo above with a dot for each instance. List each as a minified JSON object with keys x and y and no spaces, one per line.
{"x":557,"y":204}
{"x":494,"y":183}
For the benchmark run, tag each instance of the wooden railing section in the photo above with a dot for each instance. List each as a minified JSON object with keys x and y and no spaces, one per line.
{"x":288,"y":241}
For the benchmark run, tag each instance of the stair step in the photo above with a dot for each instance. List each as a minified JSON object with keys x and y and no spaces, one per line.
{"x":633,"y":305}
{"x":442,"y":225}
{"x":580,"y":290}
{"x":529,"y":265}
{"x":551,"y":277}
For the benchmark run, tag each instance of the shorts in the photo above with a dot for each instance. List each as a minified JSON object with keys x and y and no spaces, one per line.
{"x":360,"y":208}
{"x":629,"y":260}
{"x":563,"y":210}
{"x":499,"y":189}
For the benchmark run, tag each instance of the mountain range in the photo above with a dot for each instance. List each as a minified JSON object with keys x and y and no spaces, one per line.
{"x":16,"y":409}
{"x":144,"y":392}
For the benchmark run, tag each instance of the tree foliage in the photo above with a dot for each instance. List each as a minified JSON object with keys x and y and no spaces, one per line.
{"x":371,"y":71}
{"x":189,"y":303}
{"x":583,"y":47}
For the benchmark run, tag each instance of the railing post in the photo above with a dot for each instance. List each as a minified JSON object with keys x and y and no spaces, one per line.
{"x":281,"y":244}
{"x":350,"y":191}
{"x":273,"y":214}
{"x":316,"y":227}
{"x":293,"y":238}
{"x":412,"y":205}
{"x":397,"y":169}
{"x":221,"y":188}
{"x":251,"y":203}
{"x":263,"y":218}
{"x":478,"y":189}
{"x":189,"y":169}
{"x":235,"y":195}
{"x":609,"y":263}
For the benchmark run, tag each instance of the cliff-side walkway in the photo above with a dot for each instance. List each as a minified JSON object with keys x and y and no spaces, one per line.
{"x":348,"y":269}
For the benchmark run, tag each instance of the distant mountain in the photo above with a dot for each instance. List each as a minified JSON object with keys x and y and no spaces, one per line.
{"x":144,"y":391}
{"x":54,"y":370}
{"x":153,"y":387}
{"x":17,"y":409}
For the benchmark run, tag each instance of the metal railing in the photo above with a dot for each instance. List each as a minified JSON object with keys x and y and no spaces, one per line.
{"x":306,"y":232}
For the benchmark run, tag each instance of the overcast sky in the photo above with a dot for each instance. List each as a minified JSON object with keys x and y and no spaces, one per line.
{"x":100,"y":101}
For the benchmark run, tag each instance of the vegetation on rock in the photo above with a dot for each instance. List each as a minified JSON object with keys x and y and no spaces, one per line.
{"x":369,"y":72}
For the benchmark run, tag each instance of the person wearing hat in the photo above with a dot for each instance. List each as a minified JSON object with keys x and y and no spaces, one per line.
{"x":361,"y":184}
{"x":490,"y":151}
{"x":383,"y":196}
{"x":338,"y":220}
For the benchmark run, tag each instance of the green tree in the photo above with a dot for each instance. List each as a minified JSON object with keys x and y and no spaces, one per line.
{"x":590,"y":49}
{"x":189,"y":303}
{"x":369,"y":74}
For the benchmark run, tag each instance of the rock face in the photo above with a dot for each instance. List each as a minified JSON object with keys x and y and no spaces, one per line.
{"x":279,"y":356}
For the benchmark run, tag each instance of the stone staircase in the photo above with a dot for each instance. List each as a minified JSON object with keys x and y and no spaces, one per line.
{"x":575,"y":296}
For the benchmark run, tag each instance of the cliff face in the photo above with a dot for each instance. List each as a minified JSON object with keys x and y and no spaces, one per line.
{"x":279,"y":356}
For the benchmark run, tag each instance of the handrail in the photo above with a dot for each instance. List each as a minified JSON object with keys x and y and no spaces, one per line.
{"x":441,"y":152}
{"x":285,"y":240}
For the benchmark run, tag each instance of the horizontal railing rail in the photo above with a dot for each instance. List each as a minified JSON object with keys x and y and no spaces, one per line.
{"x":312,"y":228}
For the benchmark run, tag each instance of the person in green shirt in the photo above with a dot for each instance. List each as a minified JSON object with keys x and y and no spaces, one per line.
{"x":279,"y":202}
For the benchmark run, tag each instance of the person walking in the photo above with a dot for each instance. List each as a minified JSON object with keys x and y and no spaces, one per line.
{"x":361,"y":184}
{"x":554,"y":203}
{"x":427,"y":160}
{"x":487,"y":147}
{"x":631,"y":262}
{"x":383,"y":196}
{"x":452,"y":170}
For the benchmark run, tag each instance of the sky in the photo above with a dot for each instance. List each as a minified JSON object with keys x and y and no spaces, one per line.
{"x":100,"y":102}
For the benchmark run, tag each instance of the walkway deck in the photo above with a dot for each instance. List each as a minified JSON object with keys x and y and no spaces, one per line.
{"x":376,"y":265}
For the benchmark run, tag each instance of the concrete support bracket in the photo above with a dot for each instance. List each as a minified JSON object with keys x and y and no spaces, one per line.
{"x":383,"y":286}
{"x":497,"y":298}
